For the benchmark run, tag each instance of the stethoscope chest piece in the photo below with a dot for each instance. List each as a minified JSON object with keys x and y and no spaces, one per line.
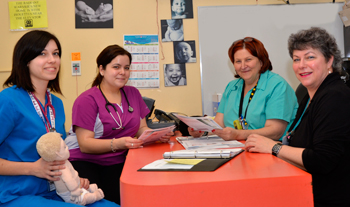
{"x":130,"y":109}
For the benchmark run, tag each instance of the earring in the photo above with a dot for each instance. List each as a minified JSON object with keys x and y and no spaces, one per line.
{"x":329,"y":72}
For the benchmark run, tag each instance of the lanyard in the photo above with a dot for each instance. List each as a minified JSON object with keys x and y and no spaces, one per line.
{"x":43,"y":112}
{"x":241,"y":102}
{"x":288,"y":136}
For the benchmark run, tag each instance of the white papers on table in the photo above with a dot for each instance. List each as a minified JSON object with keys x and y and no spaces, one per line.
{"x":210,"y":153}
{"x":210,"y":142}
{"x":149,"y":136}
{"x":199,"y":123}
{"x":164,"y":164}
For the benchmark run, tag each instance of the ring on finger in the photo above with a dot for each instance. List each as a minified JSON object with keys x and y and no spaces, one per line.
{"x":132,"y":144}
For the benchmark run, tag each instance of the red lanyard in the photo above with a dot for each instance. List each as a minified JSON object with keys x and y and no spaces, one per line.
{"x":43,"y":113}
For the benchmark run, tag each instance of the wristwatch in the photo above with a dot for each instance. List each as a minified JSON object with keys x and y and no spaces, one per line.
{"x":276,"y":148}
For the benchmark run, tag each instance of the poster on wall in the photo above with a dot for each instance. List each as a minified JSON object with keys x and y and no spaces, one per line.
{"x":175,"y":74}
{"x":172,"y":30}
{"x":145,"y":60}
{"x":94,"y":14}
{"x":26,"y":15}
{"x":185,"y":51}
{"x":181,"y":9}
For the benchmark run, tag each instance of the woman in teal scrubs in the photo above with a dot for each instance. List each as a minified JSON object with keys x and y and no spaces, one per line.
{"x":258,"y":101}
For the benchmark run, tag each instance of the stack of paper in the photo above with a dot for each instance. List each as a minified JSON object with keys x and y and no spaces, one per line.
{"x":153,"y":135}
{"x":210,"y":142}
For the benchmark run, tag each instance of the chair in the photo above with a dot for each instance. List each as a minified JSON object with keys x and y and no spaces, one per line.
{"x":150,"y":104}
{"x":154,"y":125}
{"x":300,"y":92}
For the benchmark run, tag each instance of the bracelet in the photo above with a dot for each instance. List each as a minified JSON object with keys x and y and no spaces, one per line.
{"x":113,"y":150}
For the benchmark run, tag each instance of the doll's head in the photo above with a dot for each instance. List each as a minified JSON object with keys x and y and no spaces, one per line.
{"x":51,"y":147}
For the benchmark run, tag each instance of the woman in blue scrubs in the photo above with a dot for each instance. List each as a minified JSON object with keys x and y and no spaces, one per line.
{"x":27,"y":111}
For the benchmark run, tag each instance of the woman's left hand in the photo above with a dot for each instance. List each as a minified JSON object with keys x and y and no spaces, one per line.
{"x":258,"y":143}
{"x":226,"y":133}
{"x":84,"y":183}
{"x":166,"y":137}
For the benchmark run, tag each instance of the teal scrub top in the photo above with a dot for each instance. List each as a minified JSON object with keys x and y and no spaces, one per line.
{"x":274,"y":99}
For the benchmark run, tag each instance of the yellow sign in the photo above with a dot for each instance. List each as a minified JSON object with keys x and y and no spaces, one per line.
{"x":76,"y":56}
{"x":28,"y":14}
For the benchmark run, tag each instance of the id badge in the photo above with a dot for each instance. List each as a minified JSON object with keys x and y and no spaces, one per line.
{"x":237,"y":124}
{"x":287,"y":137}
{"x":244,"y":124}
{"x":51,"y":186}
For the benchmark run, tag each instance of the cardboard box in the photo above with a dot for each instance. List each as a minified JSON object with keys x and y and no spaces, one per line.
{"x":345,"y":17}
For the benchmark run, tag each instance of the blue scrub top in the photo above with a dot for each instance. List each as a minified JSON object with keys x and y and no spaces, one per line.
{"x":21,"y":127}
{"x":274,"y":99}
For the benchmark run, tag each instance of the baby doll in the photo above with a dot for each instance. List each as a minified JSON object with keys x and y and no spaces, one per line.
{"x":51,"y":147}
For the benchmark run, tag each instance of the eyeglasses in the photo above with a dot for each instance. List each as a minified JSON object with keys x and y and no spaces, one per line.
{"x":247,"y":39}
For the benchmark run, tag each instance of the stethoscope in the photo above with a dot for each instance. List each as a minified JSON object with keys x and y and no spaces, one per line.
{"x":130,"y":109}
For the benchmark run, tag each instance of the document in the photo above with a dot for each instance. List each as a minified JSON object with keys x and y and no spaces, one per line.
{"x":210,"y":153}
{"x":209,"y":142}
{"x":165,"y":164}
{"x":153,"y":135}
{"x":199,"y":123}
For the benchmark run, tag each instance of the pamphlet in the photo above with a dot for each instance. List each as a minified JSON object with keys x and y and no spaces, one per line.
{"x":199,"y":123}
{"x":209,"y":142}
{"x":153,"y":135}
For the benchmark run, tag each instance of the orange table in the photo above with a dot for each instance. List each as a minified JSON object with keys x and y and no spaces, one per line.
{"x":250,"y":179}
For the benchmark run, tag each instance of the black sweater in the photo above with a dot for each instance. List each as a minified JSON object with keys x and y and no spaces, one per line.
{"x":324,"y":132}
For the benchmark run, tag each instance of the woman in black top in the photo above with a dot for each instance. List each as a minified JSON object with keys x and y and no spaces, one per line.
{"x":319,"y":137}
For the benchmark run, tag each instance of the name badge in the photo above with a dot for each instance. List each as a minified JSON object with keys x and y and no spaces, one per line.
{"x":51,"y":186}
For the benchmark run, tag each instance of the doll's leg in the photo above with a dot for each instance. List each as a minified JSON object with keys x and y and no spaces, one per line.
{"x":88,"y":197}
{"x":92,"y":188}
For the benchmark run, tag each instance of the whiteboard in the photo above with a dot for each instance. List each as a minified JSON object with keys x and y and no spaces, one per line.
{"x":220,"y":26}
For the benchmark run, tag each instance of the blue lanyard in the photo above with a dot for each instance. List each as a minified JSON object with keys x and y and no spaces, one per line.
{"x":289,"y":134}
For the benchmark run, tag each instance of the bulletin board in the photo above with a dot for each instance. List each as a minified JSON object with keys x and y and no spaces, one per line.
{"x":220,"y":26}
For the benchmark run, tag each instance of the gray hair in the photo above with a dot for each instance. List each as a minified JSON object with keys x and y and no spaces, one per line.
{"x":320,"y":39}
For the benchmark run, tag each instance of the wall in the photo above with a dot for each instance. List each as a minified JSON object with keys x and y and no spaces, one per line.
{"x":130,"y":17}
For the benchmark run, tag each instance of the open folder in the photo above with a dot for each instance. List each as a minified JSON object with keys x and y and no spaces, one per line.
{"x":207,"y":164}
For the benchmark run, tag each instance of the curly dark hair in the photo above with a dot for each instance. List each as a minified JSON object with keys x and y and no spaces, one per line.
{"x":319,"y":39}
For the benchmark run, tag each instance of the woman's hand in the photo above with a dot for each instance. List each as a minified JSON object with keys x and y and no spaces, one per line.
{"x":167,"y":137}
{"x":129,"y":143}
{"x":257,"y":143}
{"x":84,"y":183}
{"x":48,"y":170}
{"x":194,"y":133}
{"x":227,"y":133}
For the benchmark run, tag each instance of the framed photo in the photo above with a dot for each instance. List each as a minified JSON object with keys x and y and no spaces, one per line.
{"x":93,"y":14}
{"x":185,"y":51}
{"x":175,"y":75}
